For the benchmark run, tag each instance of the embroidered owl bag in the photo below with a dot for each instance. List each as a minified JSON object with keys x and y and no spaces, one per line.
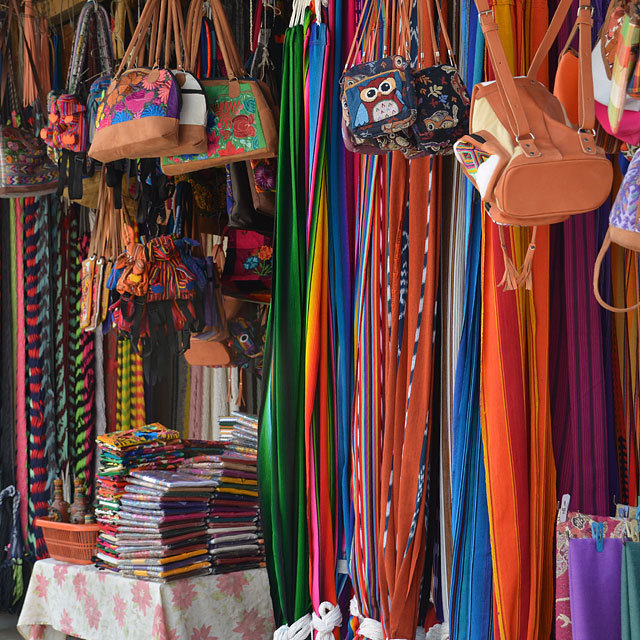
{"x":378,"y":97}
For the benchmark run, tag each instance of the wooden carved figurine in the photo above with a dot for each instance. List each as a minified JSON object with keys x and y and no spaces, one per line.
{"x":59,"y":507}
{"x":79,"y":506}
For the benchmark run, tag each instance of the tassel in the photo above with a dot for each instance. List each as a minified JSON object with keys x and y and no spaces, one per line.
{"x":29,"y":88}
{"x":510,"y":279}
{"x":44,"y":58}
{"x":525,"y":271}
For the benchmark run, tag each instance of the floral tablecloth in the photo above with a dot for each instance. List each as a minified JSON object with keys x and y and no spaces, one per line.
{"x":80,"y":601}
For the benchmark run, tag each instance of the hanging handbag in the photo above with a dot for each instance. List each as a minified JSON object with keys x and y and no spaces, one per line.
{"x":442,"y":99}
{"x":262,"y":182}
{"x":624,"y":226}
{"x":25,"y":168}
{"x":520,"y":138}
{"x":603,"y":56}
{"x":139,"y":116}
{"x":192,"y":135}
{"x":249,"y":263}
{"x":378,"y":97}
{"x":626,"y":56}
{"x":240,"y":120}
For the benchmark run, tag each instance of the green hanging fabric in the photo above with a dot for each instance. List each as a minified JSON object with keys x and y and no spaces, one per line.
{"x":281,"y":450}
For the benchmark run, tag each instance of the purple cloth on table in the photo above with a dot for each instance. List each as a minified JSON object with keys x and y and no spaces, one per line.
{"x":594,"y":587}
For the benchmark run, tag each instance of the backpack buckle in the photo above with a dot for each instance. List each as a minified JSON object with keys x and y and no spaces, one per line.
{"x":528,"y":145}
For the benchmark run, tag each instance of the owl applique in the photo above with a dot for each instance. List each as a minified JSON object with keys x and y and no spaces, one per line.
{"x":379,"y":97}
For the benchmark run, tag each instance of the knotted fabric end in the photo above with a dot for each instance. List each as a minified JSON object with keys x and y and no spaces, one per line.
{"x":326,"y":620}
{"x":367,"y":627}
{"x":299,"y":630}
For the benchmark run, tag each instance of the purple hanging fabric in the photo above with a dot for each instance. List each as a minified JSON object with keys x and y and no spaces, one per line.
{"x":587,"y":431}
{"x":595,"y":587}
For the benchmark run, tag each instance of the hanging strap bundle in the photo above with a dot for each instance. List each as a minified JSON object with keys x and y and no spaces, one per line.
{"x":105,"y":246}
{"x":67,"y":131}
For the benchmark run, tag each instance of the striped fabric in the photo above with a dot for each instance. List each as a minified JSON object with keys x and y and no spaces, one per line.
{"x":413,"y":241}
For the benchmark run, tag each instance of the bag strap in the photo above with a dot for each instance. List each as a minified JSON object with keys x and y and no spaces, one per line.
{"x":136,"y":46}
{"x":443,"y":30}
{"x":596,"y":279}
{"x":504,"y":81}
{"x":584,"y":22}
{"x":34,"y":67}
{"x":226,"y":42}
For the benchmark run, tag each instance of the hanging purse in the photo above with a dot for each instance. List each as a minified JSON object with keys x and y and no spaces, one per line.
{"x":139,"y":116}
{"x":25,"y":168}
{"x":67,"y":132}
{"x":442,"y":98}
{"x":240,"y":121}
{"x":378,"y":97}
{"x":624,"y":226}
{"x":249,"y":263}
{"x":192,"y":135}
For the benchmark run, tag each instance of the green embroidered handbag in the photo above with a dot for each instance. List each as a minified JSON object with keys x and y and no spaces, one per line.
{"x":240,"y":119}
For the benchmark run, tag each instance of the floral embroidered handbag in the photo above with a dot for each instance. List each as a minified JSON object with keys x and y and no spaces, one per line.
{"x":139,"y":116}
{"x":240,"y":121}
{"x":248,"y":265}
{"x":442,"y":99}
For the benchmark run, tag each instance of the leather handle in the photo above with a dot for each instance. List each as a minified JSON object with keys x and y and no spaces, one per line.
{"x":139,"y":36}
{"x":226,"y":42}
{"x":596,"y":279}
{"x":504,"y":79}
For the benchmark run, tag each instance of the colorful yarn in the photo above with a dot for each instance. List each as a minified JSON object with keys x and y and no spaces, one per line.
{"x":84,"y":388}
{"x":38,"y":494}
{"x":61,"y":243}
{"x":47,"y":209}
{"x":20,"y":368}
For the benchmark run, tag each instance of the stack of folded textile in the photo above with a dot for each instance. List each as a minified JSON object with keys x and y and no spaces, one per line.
{"x":239,"y":432}
{"x":149,"y":447}
{"x":162,"y":527}
{"x":233,"y":523}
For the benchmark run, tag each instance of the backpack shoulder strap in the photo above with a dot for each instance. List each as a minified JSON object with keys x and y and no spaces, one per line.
{"x":504,"y":80}
{"x":584,"y":22}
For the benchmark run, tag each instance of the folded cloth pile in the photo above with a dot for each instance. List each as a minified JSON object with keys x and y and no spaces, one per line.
{"x":239,"y":432}
{"x":233,"y":523}
{"x":149,"y":447}
{"x":161,"y":533}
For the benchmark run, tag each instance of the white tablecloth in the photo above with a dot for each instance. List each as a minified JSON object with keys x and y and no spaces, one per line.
{"x":65,"y":599}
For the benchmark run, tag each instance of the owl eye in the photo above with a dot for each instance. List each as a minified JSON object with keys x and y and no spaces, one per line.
{"x":387,"y":86}
{"x":369,"y":95}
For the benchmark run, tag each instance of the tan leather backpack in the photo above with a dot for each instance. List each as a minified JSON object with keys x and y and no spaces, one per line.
{"x":529,"y":163}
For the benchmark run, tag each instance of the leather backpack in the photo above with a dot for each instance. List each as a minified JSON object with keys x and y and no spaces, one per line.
{"x":530,"y":164}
